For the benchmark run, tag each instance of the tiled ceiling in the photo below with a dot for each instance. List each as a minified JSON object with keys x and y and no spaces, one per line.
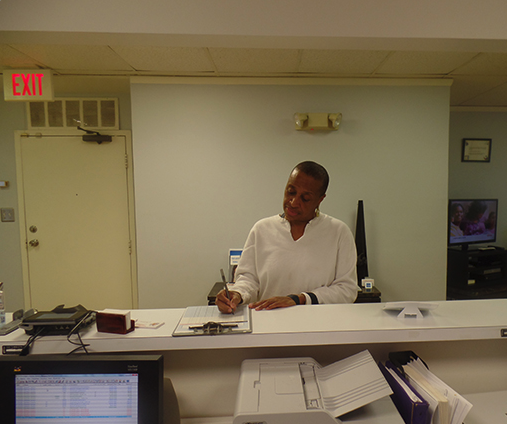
{"x":479,"y":78}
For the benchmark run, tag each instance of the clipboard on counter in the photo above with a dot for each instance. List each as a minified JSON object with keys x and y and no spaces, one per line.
{"x":209,"y":321}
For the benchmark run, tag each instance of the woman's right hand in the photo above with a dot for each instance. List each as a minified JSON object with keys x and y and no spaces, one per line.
{"x":225,"y":305}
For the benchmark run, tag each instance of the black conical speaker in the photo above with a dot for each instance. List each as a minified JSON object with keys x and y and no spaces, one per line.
{"x":362,"y":257}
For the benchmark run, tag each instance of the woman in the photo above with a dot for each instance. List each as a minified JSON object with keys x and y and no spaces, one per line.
{"x":299,"y":257}
{"x":457,"y":213}
{"x":474,"y":222}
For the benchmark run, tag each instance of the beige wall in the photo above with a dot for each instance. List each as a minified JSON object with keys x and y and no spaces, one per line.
{"x":210,"y":160}
{"x":480,"y":180}
{"x":12,"y":117}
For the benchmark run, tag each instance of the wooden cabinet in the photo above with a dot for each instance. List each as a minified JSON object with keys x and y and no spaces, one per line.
{"x":476,"y":274}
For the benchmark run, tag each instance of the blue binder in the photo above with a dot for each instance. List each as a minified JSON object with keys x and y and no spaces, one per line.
{"x":411,"y":411}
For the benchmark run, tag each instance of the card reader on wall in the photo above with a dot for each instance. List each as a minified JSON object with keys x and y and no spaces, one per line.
{"x":300,"y":391}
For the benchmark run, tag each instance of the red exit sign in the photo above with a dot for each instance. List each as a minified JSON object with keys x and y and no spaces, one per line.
{"x":28,"y":85}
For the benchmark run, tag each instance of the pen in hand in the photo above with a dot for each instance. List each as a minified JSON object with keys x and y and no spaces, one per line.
{"x":225,"y":286}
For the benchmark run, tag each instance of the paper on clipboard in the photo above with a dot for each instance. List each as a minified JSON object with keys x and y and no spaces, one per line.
{"x":205,"y":320}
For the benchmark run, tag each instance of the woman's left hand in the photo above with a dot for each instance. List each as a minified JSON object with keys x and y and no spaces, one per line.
{"x":273,"y":303}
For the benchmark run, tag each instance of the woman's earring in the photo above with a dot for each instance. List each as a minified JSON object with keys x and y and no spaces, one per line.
{"x":317,"y":212}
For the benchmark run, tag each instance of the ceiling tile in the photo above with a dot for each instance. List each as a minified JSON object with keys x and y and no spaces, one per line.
{"x":262,"y":61}
{"x":94,"y":72}
{"x":485,"y":64}
{"x":341,"y":62}
{"x":77,"y":57}
{"x":480,"y":79}
{"x":11,"y":58}
{"x":494,"y":97}
{"x":467,"y":88}
{"x":424,"y":63}
{"x":165,"y":59}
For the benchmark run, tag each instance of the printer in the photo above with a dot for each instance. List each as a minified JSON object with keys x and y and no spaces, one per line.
{"x":300,"y":391}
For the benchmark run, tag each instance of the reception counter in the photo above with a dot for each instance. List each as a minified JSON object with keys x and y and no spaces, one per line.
{"x":463,"y":342}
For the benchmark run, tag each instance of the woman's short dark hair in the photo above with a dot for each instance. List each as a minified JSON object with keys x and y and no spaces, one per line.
{"x":476,"y":208}
{"x":316,"y":171}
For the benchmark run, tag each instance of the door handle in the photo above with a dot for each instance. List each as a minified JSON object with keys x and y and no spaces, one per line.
{"x":33,"y":243}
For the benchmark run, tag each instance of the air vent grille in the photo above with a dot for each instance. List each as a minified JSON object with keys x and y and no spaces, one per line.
{"x":72,"y":112}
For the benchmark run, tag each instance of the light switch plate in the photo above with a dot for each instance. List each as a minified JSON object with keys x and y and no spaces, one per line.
{"x":7,"y":214}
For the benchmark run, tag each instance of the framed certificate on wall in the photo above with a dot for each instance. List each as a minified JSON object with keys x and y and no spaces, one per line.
{"x":476,"y":150}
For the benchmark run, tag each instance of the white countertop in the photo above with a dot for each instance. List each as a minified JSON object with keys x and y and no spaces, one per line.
{"x":300,"y":326}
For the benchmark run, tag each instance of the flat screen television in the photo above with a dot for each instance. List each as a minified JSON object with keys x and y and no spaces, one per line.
{"x":87,"y":389}
{"x":472,"y":221}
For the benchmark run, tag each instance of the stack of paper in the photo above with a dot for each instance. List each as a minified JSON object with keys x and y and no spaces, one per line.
{"x":446,"y":406}
{"x":194,"y":320}
{"x":412,"y":407}
{"x":351,"y":383}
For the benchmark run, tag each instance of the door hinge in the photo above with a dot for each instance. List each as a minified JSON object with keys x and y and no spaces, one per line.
{"x":130,"y":247}
{"x":126,"y":161}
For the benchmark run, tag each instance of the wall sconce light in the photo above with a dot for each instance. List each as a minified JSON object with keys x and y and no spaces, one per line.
{"x":317,"y":121}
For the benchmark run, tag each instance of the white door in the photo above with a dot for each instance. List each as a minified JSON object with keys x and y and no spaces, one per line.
{"x":76,"y":221}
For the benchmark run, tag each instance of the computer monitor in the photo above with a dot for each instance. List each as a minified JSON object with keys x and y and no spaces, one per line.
{"x":85,"y":389}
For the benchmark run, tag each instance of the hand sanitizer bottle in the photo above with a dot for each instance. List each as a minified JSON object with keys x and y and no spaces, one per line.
{"x":2,"y":307}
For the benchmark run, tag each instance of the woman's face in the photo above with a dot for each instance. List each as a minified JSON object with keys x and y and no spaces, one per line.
{"x":302,"y":197}
{"x":458,"y":215}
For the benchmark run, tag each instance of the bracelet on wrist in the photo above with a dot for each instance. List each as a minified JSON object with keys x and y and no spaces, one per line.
{"x":295,"y":298}
{"x":313,"y":298}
